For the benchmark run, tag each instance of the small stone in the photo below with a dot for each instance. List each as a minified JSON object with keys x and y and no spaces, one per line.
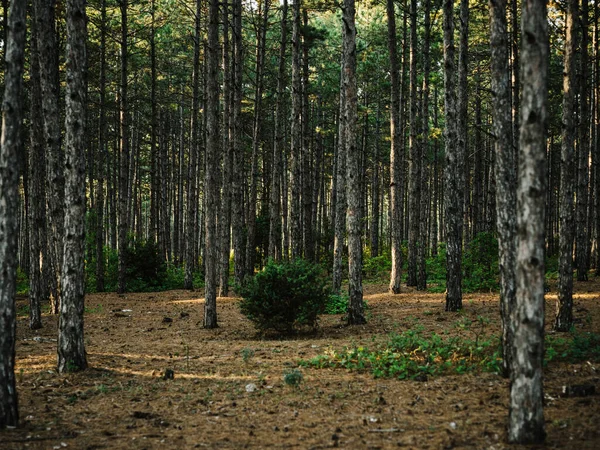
{"x":453,"y":425}
{"x":250,"y":387}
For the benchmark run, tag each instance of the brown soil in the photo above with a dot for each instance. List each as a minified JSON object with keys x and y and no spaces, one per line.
{"x":122,"y":401}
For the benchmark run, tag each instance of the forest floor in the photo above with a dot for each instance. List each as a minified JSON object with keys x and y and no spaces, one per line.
{"x":123,"y":400}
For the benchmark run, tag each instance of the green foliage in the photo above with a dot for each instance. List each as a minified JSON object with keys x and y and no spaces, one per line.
{"x":292,"y":377}
{"x":573,"y":347}
{"x":22,"y":282}
{"x":284,"y":296}
{"x":247,"y":353}
{"x":412,"y":355}
{"x":480,"y":264}
{"x":337,"y":304}
{"x":436,"y":270}
{"x":377,"y":268}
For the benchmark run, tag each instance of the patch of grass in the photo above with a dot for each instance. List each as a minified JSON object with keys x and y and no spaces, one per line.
{"x":293,"y":377}
{"x":247,"y":353}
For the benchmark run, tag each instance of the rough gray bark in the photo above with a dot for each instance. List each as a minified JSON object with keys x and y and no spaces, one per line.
{"x":564,"y":305}
{"x":505,"y":170}
{"x":124,"y":186}
{"x":211,"y":184}
{"x":454,"y":173}
{"x":424,"y":191}
{"x":463,"y":115}
{"x":102,"y":150}
{"x":356,"y":315}
{"x":396,"y":178}
{"x":526,"y":417}
{"x":583,"y":156}
{"x":275,"y":200}
{"x":261,"y":37}
{"x":308,"y":231}
{"x":10,"y":146}
{"x":192,"y":192}
{"x":237,"y":218}
{"x":296,"y":133}
{"x":48,"y":54}
{"x":415,"y":156}
{"x":224,"y":223}
{"x":375,"y":196}
{"x":71,"y":348}
{"x":153,"y":232}
{"x":37,"y":193}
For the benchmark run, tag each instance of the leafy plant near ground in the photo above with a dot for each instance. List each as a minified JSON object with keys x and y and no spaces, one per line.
{"x":412,"y":355}
{"x":480,"y":264}
{"x":338,"y":304}
{"x":285,"y":296}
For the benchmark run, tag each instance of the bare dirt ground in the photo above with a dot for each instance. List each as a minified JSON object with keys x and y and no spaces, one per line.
{"x":122,"y":401}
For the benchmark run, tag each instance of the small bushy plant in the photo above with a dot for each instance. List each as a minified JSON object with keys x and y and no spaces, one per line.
{"x":480,"y":264}
{"x":377,"y":268}
{"x":284,"y":296}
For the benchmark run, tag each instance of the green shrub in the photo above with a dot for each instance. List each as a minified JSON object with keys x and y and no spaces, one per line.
{"x":480,"y":264}
{"x":22,"y":282}
{"x":284,"y":296}
{"x":338,"y":303}
{"x":377,"y":267}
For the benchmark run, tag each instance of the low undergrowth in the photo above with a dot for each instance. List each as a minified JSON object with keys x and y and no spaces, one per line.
{"x":414,"y":355}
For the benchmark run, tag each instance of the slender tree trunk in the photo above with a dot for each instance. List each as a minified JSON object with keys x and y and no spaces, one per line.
{"x":275,"y":200}
{"x":228,"y":130}
{"x":463,"y":116}
{"x":296,"y":132}
{"x":256,"y":135}
{"x":423,"y":209}
{"x":505,"y":173}
{"x":375,"y":210}
{"x":414,"y":182}
{"x":526,"y":417}
{"x":564,"y":306}
{"x":211,"y":185}
{"x":454,"y":173}
{"x":103,"y":151}
{"x":154,"y":178}
{"x":10,"y":146}
{"x":38,"y":292}
{"x":583,"y":155}
{"x":356,"y":315}
{"x":237,"y":217}
{"x":340,"y":198}
{"x":71,"y":347}
{"x":192,"y":193}
{"x":48,"y":54}
{"x":123,"y":152}
{"x":308,"y":234}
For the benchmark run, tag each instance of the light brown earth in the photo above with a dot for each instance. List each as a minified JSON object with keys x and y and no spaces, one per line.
{"x":122,"y":401}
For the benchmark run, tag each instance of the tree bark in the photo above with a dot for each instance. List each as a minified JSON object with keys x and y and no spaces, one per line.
{"x":396,"y":171}
{"x":505,"y":173}
{"x":211,"y":186}
{"x":48,"y":54}
{"x":526,"y":417}
{"x":10,"y":146}
{"x":275,"y":200}
{"x":123,"y":153}
{"x":356,"y":315}
{"x":454,"y":170}
{"x":415,"y":156}
{"x":564,"y":306}
{"x":192,"y":192}
{"x":71,"y":347}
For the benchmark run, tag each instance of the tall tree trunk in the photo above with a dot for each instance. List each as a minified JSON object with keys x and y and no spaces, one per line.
{"x":71,"y":347}
{"x":10,"y":146}
{"x":224,"y":222}
{"x":396,"y":170}
{"x":583,"y":156}
{"x":340,"y":185}
{"x":526,"y":417}
{"x":308,"y":232}
{"x":102,"y":150}
{"x":154,"y":177}
{"x":261,"y":34}
{"x":463,"y":115}
{"x":564,"y":306}
{"x":48,"y":54}
{"x":296,"y":132}
{"x":423,"y":209}
{"x":211,"y":185}
{"x":356,"y":315}
{"x":375,"y":197}
{"x":123,"y":152}
{"x":275,"y":200}
{"x":237,"y":214}
{"x":505,"y":173}
{"x":38,"y":292}
{"x":453,"y":188}
{"x":415,"y":156}
{"x":192,"y":193}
